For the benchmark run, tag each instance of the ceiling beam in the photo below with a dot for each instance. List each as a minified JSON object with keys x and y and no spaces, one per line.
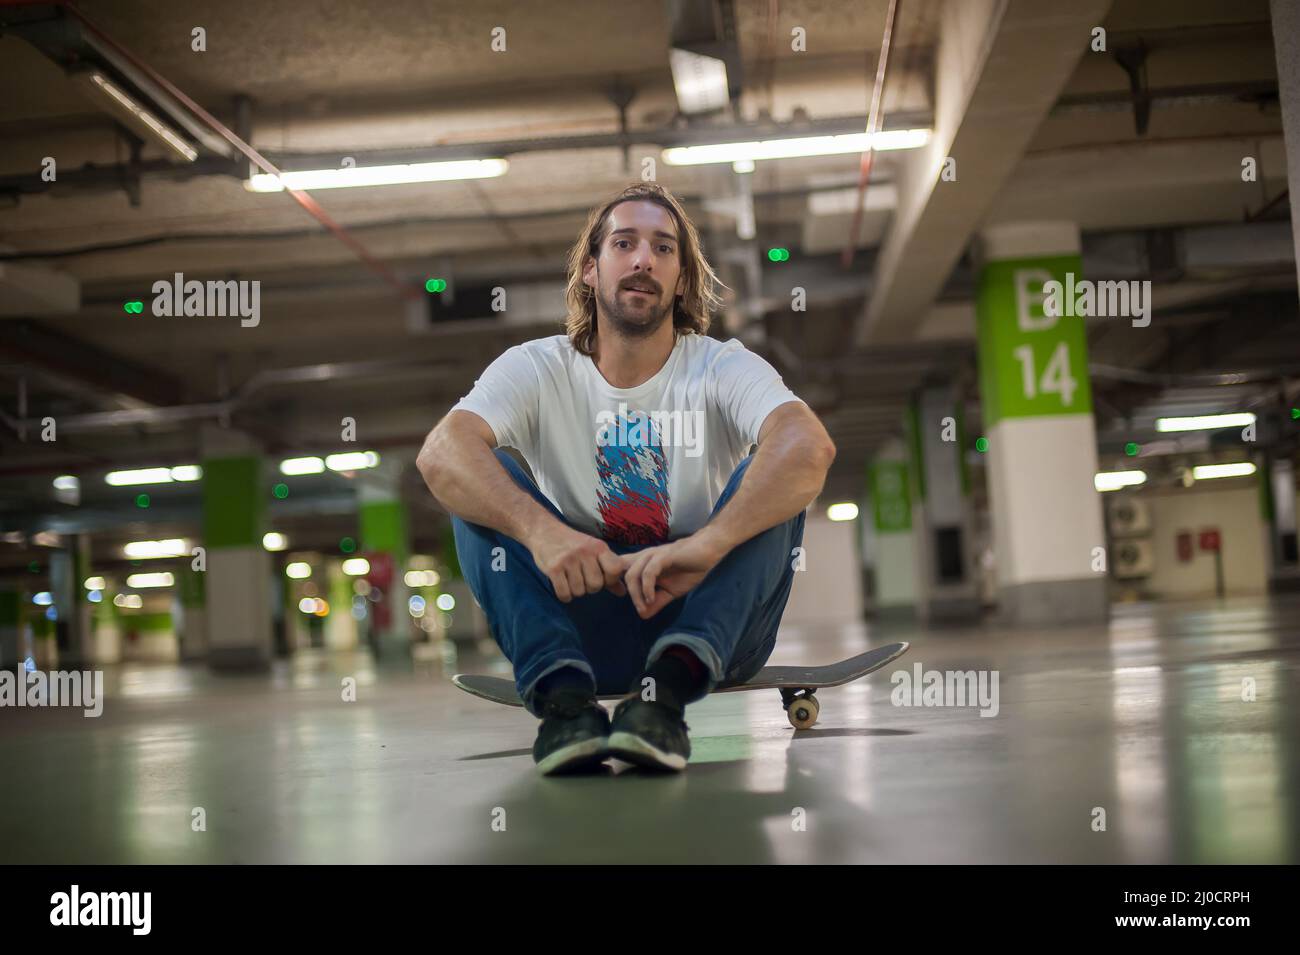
{"x":985,"y":116}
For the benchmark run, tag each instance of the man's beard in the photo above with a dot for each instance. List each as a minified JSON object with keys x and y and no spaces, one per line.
{"x":634,"y":321}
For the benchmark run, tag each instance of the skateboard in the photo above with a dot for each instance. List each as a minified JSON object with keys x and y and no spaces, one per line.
{"x":798,"y":685}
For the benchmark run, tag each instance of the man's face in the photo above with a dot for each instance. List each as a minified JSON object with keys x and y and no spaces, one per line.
{"x":640,"y":250}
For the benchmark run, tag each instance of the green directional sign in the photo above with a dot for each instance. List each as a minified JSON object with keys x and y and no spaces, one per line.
{"x":1031,"y":363}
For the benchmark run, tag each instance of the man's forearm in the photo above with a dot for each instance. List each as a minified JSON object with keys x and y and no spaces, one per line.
{"x":466,"y":479}
{"x":787,"y":473}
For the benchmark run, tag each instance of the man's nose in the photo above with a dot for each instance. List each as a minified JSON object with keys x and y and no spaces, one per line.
{"x":644,"y":259}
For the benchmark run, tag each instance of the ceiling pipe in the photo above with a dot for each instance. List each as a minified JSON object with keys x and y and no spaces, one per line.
{"x":873,"y":127}
{"x":304,"y":199}
{"x":105,"y":177}
{"x":216,"y":410}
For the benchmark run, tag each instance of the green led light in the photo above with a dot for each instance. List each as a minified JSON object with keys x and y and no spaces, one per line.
{"x":134,"y":307}
{"x":981,"y":445}
{"x":1295,"y":414}
{"x":435,"y":285}
{"x":1131,"y":449}
{"x":347,"y":545}
{"x":778,"y":255}
{"x":281,"y":491}
{"x":142,"y":500}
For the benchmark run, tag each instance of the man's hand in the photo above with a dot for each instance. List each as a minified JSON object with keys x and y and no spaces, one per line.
{"x":576,"y":563}
{"x":657,"y":576}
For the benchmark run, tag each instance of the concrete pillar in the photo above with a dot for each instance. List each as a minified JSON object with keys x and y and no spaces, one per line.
{"x":947,"y":589}
{"x":80,"y":628}
{"x":43,"y":643}
{"x":894,"y":555}
{"x":1278,"y":509}
{"x":1286,"y":47}
{"x":237,"y":585}
{"x":69,"y":601}
{"x":105,"y":630}
{"x":385,"y":543}
{"x":1037,"y":404}
{"x":191,"y":612}
{"x":10,"y":619}
{"x":340,"y":625}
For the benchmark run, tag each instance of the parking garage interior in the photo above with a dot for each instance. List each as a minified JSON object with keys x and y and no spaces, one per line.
{"x":214,"y":385}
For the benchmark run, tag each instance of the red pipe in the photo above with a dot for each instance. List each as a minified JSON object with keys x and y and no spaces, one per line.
{"x":873,"y":127}
{"x":302,"y":198}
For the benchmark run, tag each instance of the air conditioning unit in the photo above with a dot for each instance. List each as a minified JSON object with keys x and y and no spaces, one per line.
{"x":1128,"y":516}
{"x":1133,"y":558}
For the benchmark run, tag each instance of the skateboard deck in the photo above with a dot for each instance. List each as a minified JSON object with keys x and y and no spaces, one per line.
{"x":795,"y":683}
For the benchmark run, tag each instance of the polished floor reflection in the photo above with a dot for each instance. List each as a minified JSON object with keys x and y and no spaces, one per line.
{"x":1169,"y":735}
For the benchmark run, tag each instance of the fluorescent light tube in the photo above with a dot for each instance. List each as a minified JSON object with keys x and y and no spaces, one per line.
{"x":135,"y":114}
{"x":1114,"y":480}
{"x":1206,"y":472}
{"x":796,"y":148}
{"x":378,"y":175}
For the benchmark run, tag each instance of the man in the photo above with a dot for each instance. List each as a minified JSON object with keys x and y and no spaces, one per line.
{"x":654,"y":554}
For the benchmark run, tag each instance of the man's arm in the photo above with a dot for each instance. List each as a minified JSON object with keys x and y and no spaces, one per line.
{"x":466,"y":479}
{"x":787,"y":473}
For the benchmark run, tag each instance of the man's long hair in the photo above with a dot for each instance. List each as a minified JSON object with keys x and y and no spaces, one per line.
{"x":691,"y":309}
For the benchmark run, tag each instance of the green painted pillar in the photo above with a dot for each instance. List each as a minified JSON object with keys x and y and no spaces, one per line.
{"x":1037,"y":402}
{"x":385,"y":542}
{"x":237,"y":583}
{"x":341,"y":628}
{"x":893,"y":552}
{"x":106,"y":628}
{"x":191,"y":619}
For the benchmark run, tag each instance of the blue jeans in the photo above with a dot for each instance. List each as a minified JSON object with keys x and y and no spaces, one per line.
{"x":729,"y":620}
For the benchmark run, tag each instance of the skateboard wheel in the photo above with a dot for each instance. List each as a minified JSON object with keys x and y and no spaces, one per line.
{"x":803,"y":712}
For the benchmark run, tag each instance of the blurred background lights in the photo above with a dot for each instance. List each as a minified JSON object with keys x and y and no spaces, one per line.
{"x":163,"y":579}
{"x":846,"y":511}
{"x":356,"y":566}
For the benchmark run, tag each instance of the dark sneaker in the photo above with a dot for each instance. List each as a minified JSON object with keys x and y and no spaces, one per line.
{"x":649,"y":734}
{"x":571,"y":738}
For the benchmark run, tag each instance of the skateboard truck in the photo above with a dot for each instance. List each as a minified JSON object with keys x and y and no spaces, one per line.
{"x":801,"y":707}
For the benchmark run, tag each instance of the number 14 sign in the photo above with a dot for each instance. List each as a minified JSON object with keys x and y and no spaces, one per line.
{"x":1031,"y":363}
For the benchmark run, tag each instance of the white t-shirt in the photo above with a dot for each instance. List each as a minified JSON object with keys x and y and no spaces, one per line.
{"x":630,"y":465}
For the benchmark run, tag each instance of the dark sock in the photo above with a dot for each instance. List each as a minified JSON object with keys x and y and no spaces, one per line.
{"x":567,"y":687}
{"x":680,"y":677}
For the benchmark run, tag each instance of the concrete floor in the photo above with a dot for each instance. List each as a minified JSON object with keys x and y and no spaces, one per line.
{"x":1143,"y":718}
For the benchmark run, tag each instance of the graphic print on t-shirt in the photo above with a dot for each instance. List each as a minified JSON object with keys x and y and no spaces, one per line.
{"x":632,"y":481}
